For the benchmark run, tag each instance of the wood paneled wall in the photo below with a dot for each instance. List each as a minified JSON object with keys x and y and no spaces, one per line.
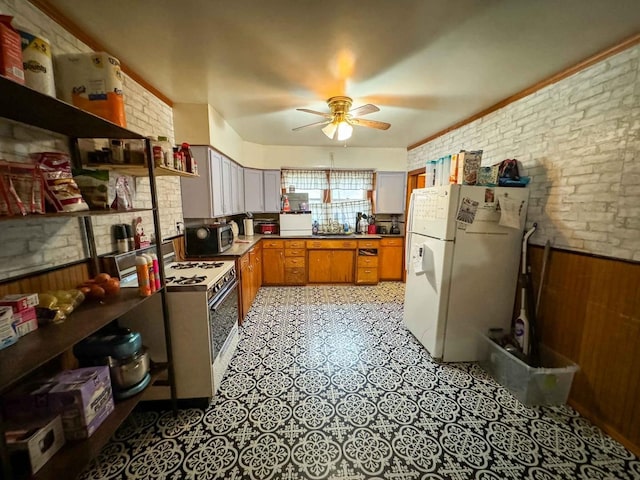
{"x":590,"y":312}
{"x":59,"y":279}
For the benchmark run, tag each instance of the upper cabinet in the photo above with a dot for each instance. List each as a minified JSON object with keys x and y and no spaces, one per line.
{"x":272,"y":190}
{"x":218,"y":191}
{"x":390,"y":192}
{"x":253,"y":190}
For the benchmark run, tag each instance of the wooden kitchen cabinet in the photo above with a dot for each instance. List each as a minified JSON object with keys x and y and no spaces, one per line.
{"x":390,"y":258}
{"x":295,"y":262}
{"x":331,"y":261}
{"x":250,"y":278}
{"x":367,"y":262}
{"x":273,"y":264}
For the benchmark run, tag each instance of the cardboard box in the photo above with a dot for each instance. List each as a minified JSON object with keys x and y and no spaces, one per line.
{"x":84,"y":399}
{"x":92,"y":82}
{"x":33,"y":443}
{"x":469,"y":166}
{"x":20,"y":301}
{"x":25,"y":321}
{"x":8,"y":334}
{"x":10,"y":51}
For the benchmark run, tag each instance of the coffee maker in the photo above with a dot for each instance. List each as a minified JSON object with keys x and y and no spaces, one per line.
{"x":395,"y":228}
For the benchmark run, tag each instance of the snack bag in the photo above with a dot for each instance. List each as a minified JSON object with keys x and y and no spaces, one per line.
{"x":61,"y":190}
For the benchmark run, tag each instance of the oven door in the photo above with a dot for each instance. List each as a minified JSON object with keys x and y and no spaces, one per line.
{"x":223,"y":317}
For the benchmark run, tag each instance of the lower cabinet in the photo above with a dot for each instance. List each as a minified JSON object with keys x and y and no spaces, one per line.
{"x":250,"y":278}
{"x":331,"y":261}
{"x":390,"y":258}
{"x":295,"y":262}
{"x":273,"y":262}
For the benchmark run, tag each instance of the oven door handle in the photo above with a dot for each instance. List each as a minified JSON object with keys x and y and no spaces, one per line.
{"x":224,"y":296}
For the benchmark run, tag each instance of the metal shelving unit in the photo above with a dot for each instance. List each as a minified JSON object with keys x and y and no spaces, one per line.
{"x":22,"y":104}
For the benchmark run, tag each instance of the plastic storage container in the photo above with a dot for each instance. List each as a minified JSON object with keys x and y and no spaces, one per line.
{"x":547,"y":385}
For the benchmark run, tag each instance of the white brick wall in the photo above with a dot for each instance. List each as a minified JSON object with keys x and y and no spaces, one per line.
{"x":579,"y":140}
{"x":40,"y":243}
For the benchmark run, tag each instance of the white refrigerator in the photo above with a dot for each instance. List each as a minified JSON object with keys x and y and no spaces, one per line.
{"x":462,"y":261}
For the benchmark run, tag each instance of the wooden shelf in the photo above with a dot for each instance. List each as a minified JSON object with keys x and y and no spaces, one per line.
{"x":141,"y":170}
{"x":23,"y":104}
{"x":47,"y":342}
{"x":84,"y":213}
{"x":72,"y":459}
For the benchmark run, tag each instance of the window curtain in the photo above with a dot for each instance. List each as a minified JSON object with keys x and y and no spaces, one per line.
{"x":352,"y":180}
{"x":342,"y":211}
{"x":304,"y":179}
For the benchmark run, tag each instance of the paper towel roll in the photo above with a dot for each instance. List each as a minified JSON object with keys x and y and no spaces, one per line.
{"x":36,"y":60}
{"x":248,"y":227}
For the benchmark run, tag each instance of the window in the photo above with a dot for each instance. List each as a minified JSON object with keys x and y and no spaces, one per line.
{"x":334,"y":195}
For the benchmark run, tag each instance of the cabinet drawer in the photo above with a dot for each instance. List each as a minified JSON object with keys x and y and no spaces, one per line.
{"x":294,"y":262}
{"x":367,"y":275}
{"x":366,"y":261}
{"x":368,"y":243}
{"x":392,"y":242}
{"x":293,"y":243}
{"x":294,"y":252}
{"x":295,"y":276}
{"x":272,"y":243}
{"x":332,"y":244}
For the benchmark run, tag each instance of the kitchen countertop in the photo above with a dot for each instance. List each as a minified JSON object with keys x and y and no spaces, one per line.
{"x":243,"y":243}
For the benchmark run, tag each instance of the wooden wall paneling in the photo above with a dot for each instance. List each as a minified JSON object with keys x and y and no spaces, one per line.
{"x":59,"y":279}
{"x":590,"y":313}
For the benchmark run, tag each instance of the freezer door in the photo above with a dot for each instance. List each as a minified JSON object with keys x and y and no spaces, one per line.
{"x":430,"y":211}
{"x":427,"y":291}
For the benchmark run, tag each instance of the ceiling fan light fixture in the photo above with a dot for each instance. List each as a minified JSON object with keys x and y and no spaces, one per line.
{"x":330,"y":130}
{"x":344,"y":131}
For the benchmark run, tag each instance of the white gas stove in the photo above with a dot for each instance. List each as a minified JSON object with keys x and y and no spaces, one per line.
{"x":199,"y":276}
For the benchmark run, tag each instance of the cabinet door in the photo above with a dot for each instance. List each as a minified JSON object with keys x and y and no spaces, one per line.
{"x":342,"y":266}
{"x":273,"y":266}
{"x":227,"y":186}
{"x":196,"y":192}
{"x":390,"y":262}
{"x":272,"y":190}
{"x":253,"y":190}
{"x":390,"y":192}
{"x":216,"y":183}
{"x":237,"y":188}
{"x":257,"y":278}
{"x":319,"y":267}
{"x":245,"y":285}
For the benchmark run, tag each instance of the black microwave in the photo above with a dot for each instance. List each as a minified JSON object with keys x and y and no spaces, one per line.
{"x":207,"y":240}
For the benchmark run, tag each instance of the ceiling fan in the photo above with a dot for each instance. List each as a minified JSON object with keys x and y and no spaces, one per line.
{"x":339,"y":123}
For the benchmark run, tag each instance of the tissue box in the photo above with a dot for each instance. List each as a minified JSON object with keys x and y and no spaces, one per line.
{"x":547,"y":385}
{"x":19,"y":302}
{"x":8,"y":334}
{"x":33,"y":443}
{"x":25,"y":321}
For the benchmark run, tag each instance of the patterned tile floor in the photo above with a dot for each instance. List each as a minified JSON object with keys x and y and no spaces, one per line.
{"x":327,"y":384}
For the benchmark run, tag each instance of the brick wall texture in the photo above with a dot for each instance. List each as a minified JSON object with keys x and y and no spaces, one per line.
{"x":36,"y":244}
{"x":579,"y":141}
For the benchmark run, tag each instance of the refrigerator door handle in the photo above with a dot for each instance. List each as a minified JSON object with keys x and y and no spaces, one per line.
{"x":407,"y":252}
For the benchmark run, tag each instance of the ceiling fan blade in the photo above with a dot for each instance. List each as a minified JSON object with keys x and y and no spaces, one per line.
{"x":370,"y":123}
{"x":322,"y":122}
{"x":363,"y":110}
{"x":323,"y":114}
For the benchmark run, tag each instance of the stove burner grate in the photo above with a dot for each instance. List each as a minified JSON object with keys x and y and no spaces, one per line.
{"x":207,"y":266}
{"x":190,"y":280}
{"x":185,"y":266}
